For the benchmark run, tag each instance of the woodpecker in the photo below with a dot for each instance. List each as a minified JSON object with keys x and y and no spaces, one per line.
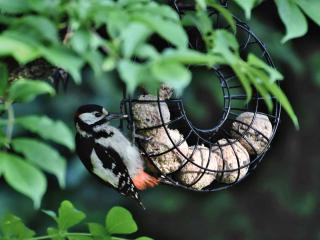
{"x":108,"y":154}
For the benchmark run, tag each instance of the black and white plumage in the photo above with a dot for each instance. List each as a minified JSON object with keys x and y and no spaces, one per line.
{"x":108,"y":154}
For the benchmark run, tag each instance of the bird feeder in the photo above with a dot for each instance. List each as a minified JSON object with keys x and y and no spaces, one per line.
{"x":217,"y":157}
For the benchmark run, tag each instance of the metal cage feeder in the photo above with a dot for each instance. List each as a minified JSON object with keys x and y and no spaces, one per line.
{"x":233,"y":97}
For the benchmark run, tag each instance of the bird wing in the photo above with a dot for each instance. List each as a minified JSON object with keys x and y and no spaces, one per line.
{"x":84,"y":147}
{"x":116,"y":172}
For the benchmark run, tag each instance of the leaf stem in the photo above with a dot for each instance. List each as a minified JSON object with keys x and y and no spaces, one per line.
{"x":117,"y":238}
{"x":58,"y":235}
{"x":71,"y":235}
{"x":10,"y":122}
{"x":43,"y":237}
{"x":79,"y":234}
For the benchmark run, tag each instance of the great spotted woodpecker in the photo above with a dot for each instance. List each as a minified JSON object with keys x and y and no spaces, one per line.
{"x":108,"y":154}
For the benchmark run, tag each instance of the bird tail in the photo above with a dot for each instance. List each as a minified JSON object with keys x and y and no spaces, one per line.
{"x":143,"y":180}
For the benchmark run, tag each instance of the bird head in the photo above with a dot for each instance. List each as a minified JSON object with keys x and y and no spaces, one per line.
{"x":92,"y":115}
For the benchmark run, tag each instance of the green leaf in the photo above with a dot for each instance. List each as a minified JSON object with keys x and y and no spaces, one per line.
{"x":120,"y":221}
{"x":56,"y":131}
{"x":247,"y":6}
{"x":268,"y":77}
{"x":171,"y":31}
{"x":16,"y":6}
{"x":95,"y":40}
{"x":133,"y":36}
{"x":253,"y":76}
{"x":172,"y":73}
{"x":55,"y":232}
{"x":68,"y":216}
{"x":12,"y":227}
{"x":3,"y":122}
{"x":272,"y":73}
{"x":95,"y":60}
{"x":22,"y":51}
{"x":225,"y":45}
{"x":293,"y":19}
{"x":153,"y":8}
{"x":240,"y":71}
{"x":314,"y":66}
{"x":144,"y":238}
{"x":24,"y":90}
{"x":43,"y":156}
{"x":3,"y":78}
{"x":131,"y":73}
{"x":147,"y":51}
{"x":41,"y":25}
{"x":188,"y":56}
{"x":80,"y":41}
{"x":66,"y":59}
{"x":199,"y":19}
{"x":264,"y":93}
{"x":109,"y":64}
{"x":311,"y":8}
{"x":202,"y":4}
{"x":45,"y":6}
{"x":282,"y":98}
{"x":98,"y":230}
{"x":117,"y":20}
{"x":23,"y":177}
{"x":225,"y":13}
{"x":51,"y":214}
{"x":83,"y":238}
{"x":165,"y":11}
{"x":1,"y":167}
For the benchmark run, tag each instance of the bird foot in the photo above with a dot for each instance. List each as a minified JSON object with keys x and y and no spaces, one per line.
{"x":59,"y":77}
{"x":142,"y":138}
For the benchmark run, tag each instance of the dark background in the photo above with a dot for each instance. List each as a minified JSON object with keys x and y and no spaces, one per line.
{"x":278,"y":201}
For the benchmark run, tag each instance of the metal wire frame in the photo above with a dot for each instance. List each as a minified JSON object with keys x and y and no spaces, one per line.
{"x":233,"y":97}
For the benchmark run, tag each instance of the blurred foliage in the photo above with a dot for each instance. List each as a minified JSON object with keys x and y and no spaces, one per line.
{"x":279,"y":202}
{"x":23,"y":172}
{"x":314,"y":63}
{"x":281,"y":53}
{"x":292,"y":13}
{"x":115,"y":35}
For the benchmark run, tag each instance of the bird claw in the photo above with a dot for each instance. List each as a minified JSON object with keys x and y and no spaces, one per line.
{"x":59,"y":77}
{"x":142,"y":138}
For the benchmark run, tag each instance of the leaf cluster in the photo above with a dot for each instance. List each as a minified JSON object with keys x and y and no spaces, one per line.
{"x":118,"y":223}
{"x":23,"y":160}
{"x":117,"y":36}
{"x":292,"y":13}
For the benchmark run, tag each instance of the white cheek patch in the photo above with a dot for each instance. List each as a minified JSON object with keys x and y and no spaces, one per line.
{"x":89,"y":118}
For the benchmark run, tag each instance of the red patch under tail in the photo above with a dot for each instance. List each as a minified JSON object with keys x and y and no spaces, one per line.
{"x":143,"y":180}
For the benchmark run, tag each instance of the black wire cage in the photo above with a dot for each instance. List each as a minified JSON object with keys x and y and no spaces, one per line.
{"x":228,"y":150}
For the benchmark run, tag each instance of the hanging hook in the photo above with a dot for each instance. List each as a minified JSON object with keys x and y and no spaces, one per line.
{"x":175,"y":4}
{"x":180,"y":6}
{"x":224,"y":3}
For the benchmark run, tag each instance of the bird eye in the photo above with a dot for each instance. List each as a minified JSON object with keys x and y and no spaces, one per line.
{"x":97,"y":114}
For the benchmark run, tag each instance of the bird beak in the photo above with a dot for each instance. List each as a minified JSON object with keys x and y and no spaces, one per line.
{"x":105,"y":112}
{"x":112,"y":116}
